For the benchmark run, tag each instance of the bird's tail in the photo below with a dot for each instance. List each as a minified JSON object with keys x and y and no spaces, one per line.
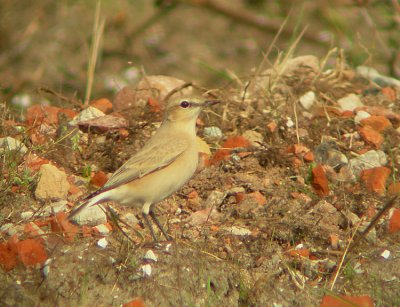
{"x":88,"y":202}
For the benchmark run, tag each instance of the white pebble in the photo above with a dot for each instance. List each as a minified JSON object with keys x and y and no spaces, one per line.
{"x":386,"y":254}
{"x":307,"y":100}
{"x":150,"y":256}
{"x":146,"y":269}
{"x":102,"y":243}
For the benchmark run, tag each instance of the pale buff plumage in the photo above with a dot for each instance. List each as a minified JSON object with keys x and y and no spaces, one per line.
{"x":166,"y":162}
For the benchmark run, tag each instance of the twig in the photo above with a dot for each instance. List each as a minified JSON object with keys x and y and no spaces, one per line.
{"x":60,"y":96}
{"x":98,"y":28}
{"x":389,"y":204}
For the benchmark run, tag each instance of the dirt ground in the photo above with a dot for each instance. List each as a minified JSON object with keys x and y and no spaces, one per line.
{"x":279,"y":233}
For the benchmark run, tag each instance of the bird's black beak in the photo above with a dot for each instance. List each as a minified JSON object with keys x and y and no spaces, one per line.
{"x":209,"y":103}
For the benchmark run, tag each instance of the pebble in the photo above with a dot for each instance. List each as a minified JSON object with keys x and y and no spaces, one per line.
{"x":102,"y":243}
{"x":10,"y":144}
{"x":215,"y":199}
{"x":21,"y":100}
{"x":360,"y":116}
{"x":350,"y":102}
{"x":26,"y":215}
{"x":55,"y":207}
{"x":92,"y":216}
{"x":370,"y":159}
{"x":46,"y":268}
{"x":86,"y":114}
{"x":289,"y":122}
{"x":213,"y":132}
{"x":307,"y":100}
{"x":102,"y":229}
{"x":146,"y":269}
{"x":130,"y":219}
{"x":385,"y":254}
{"x":238,"y":231}
{"x":150,"y":256}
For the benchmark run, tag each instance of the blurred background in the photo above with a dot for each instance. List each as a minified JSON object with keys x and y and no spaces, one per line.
{"x":211,"y":42}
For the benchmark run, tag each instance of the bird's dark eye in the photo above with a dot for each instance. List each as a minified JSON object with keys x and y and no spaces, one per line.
{"x":185,"y":104}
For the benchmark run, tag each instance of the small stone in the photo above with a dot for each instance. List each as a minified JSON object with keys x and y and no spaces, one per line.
{"x":370,"y":159}
{"x":255,"y":138}
{"x":289,"y":122}
{"x":213,"y":132}
{"x":352,"y":217}
{"x":238,"y":231}
{"x":93,"y":216}
{"x":46,"y":268}
{"x":9,"y":144}
{"x":102,"y":243}
{"x":360,"y":116}
{"x":130,"y":219}
{"x":103,"y":123}
{"x":26,"y":215}
{"x":102,"y":229}
{"x":385,"y":254}
{"x":146,"y":269}
{"x":350,"y":102}
{"x":86,"y":114}
{"x":6,"y":227}
{"x":307,"y":100}
{"x":150,"y":256}
{"x":52,"y":185}
{"x":215,"y":199}
{"x":21,"y":100}
{"x":55,"y":207}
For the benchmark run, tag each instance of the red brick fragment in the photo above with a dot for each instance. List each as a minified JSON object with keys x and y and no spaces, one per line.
{"x":394,"y":221}
{"x":375,"y":179}
{"x":319,"y":181}
{"x":377,"y":122}
{"x":99,"y":179}
{"x":371,"y":136}
{"x":346,"y":301}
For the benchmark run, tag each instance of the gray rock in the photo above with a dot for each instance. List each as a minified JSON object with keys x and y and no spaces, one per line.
{"x":10,"y":144}
{"x":350,"y":102}
{"x":360,"y":116}
{"x":26,"y":215}
{"x":55,"y":207}
{"x":86,"y":114}
{"x":213,"y":132}
{"x":238,"y":231}
{"x":52,"y":185}
{"x":307,"y":100}
{"x":91,"y":216}
{"x":370,"y":159}
{"x":150,"y":256}
{"x":215,"y":199}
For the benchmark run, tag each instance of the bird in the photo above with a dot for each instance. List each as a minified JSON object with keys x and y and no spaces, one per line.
{"x":161,"y":167}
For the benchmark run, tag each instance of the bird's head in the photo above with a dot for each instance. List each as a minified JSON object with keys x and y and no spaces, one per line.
{"x":186,"y":108}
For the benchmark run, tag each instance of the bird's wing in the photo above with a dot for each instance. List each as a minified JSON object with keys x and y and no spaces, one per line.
{"x":151,"y":158}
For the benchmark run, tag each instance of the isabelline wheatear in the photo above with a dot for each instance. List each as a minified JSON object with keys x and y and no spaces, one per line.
{"x":166,"y":162}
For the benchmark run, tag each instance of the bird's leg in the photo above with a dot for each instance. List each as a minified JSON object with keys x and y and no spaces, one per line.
{"x":146,"y":218}
{"x":154,"y":217}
